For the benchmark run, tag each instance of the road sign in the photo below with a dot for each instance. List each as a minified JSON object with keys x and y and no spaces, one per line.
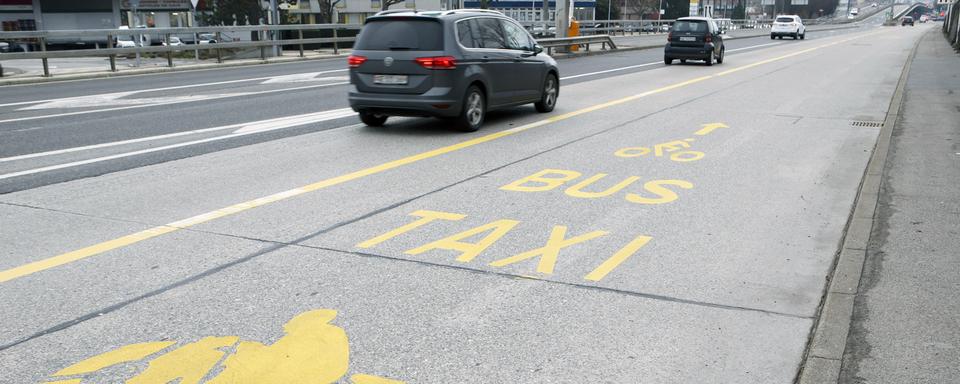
{"x":194,"y":2}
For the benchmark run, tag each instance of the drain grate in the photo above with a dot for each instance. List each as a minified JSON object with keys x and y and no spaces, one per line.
{"x":872,"y":124}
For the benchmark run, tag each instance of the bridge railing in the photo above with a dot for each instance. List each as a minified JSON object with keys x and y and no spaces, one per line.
{"x":267,"y":36}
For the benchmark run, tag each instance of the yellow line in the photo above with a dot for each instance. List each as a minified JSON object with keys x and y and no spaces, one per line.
{"x":97,"y":249}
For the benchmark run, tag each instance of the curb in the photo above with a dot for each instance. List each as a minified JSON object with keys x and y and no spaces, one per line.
{"x":823,"y":358}
{"x":156,"y":70}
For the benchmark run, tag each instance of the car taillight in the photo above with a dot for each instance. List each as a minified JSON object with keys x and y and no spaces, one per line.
{"x":442,"y":62}
{"x":669,"y":36}
{"x":354,"y":61}
{"x":708,"y":39}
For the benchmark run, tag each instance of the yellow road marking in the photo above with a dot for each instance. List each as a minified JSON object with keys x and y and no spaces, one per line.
{"x":69,"y":257}
{"x":312,"y":350}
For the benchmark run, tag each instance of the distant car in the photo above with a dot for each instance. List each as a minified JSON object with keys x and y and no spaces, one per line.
{"x":664,"y":28}
{"x":854,"y":11}
{"x":4,"y":47}
{"x":174,"y":42}
{"x":906,"y":20}
{"x":455,"y":64}
{"x":788,"y":25}
{"x":923,"y":18}
{"x":207,"y":38}
{"x":648,"y":27}
{"x":874,"y":5}
{"x":694,"y":38}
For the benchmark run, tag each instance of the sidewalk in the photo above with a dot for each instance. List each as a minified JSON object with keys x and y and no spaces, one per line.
{"x":906,"y":322}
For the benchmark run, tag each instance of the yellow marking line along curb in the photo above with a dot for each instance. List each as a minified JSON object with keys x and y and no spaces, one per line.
{"x":97,"y":249}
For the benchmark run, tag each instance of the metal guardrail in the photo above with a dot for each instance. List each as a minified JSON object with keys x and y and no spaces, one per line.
{"x":639,"y":27}
{"x":585,"y":41}
{"x":269,"y":37}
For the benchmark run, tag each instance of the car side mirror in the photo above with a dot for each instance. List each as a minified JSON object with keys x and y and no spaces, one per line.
{"x":537,"y":49}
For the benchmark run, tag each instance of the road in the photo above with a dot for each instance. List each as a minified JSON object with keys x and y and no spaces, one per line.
{"x":670,"y":224}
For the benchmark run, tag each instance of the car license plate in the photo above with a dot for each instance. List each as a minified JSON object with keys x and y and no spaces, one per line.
{"x":390,"y":79}
{"x":688,"y":38}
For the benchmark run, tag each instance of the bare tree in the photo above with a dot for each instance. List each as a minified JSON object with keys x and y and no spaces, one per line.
{"x":642,"y":7}
{"x":385,"y":4}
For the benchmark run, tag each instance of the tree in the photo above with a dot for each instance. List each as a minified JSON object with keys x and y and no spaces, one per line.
{"x":385,"y":4}
{"x":739,"y":11}
{"x":602,"y":7}
{"x":642,"y":7}
{"x":231,"y":12}
{"x":676,"y":9}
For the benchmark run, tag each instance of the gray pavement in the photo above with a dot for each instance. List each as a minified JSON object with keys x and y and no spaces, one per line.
{"x":905,"y":327}
{"x":694,"y":265}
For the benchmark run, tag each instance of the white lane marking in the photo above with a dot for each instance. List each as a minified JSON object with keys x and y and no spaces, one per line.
{"x":608,"y":71}
{"x":168,"y":88}
{"x":653,"y":63}
{"x":251,"y":127}
{"x":754,"y":46}
{"x":156,"y":149}
{"x":303,"y":77}
{"x":169,"y":102}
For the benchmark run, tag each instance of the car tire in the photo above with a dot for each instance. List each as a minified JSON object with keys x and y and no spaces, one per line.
{"x":709,"y":59}
{"x":551,"y":90}
{"x":780,"y":37}
{"x":372,"y":120}
{"x":474,"y":110}
{"x":773,"y":37}
{"x":683,"y":61}
{"x":720,"y":58}
{"x":667,"y":61}
{"x":803,"y":35}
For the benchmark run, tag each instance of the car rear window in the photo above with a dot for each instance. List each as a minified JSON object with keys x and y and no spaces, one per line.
{"x":690,"y":26}
{"x":784,"y":19}
{"x":414,"y":35}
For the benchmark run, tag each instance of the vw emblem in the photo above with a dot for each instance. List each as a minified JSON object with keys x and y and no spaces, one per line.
{"x":388,"y":61}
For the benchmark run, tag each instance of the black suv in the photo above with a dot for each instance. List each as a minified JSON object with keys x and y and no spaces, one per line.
{"x":907,"y":20}
{"x":694,"y":38}
{"x":451,"y":64}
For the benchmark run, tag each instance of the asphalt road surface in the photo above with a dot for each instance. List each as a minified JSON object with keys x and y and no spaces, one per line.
{"x":664,"y":224}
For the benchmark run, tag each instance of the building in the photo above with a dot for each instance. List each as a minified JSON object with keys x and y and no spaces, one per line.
{"x":533,"y":10}
{"x":354,"y":11}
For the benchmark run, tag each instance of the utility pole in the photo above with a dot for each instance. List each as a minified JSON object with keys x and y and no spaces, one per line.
{"x":562,"y":18}
{"x":275,"y":20}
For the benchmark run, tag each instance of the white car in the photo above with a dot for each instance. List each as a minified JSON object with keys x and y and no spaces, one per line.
{"x":788,"y":25}
{"x":174,"y":42}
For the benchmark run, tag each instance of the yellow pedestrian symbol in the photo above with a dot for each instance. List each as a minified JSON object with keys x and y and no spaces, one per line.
{"x":312,"y":350}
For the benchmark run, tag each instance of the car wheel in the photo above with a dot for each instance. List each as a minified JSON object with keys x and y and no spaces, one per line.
{"x":683,"y":61}
{"x":780,"y":37}
{"x":551,"y":89}
{"x":667,"y":61}
{"x":803,"y":36}
{"x":373,"y":120}
{"x":772,"y":37}
{"x":710,"y":58}
{"x":474,"y":110}
{"x":720,"y":58}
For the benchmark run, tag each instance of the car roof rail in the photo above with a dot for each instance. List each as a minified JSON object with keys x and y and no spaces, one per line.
{"x":391,"y":11}
{"x":469,"y":10}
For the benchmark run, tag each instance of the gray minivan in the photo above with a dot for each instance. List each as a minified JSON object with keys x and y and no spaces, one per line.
{"x":450,"y":64}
